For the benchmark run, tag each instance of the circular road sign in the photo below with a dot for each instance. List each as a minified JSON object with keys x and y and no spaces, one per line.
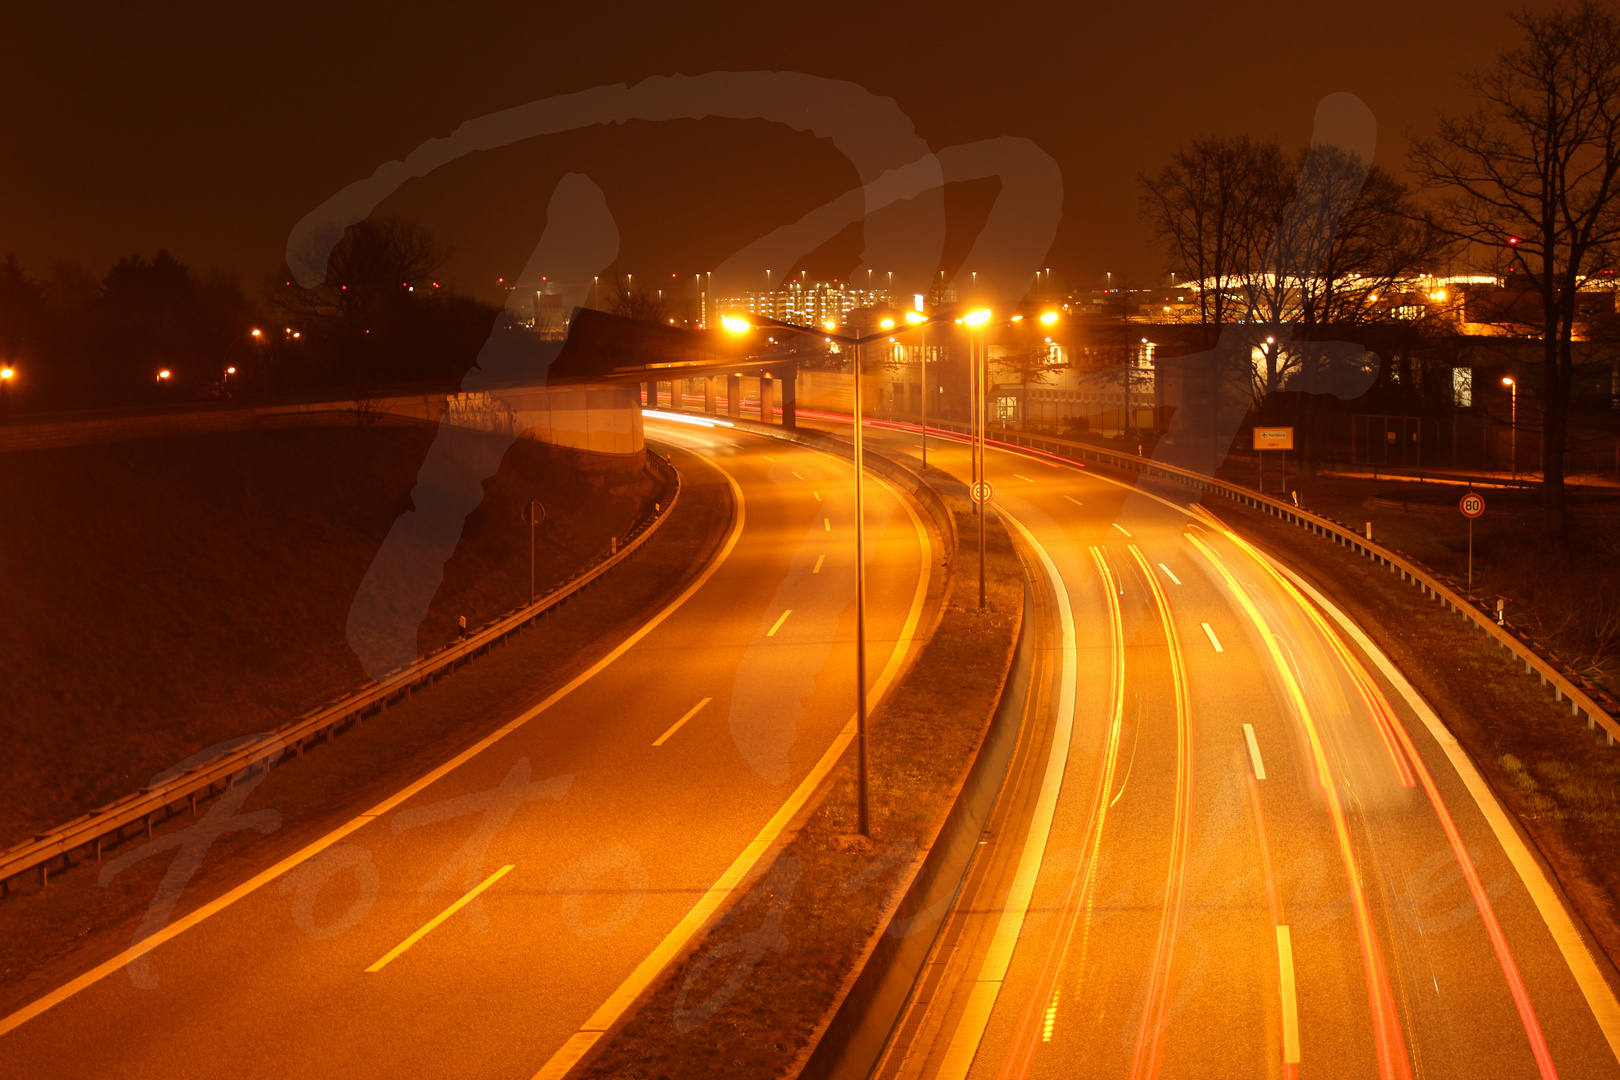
{"x":1471,"y":505}
{"x":983,"y":492}
{"x":532,"y":513}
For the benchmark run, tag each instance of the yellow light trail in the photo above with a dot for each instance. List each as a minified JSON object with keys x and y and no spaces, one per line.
{"x":1150,"y":1035}
{"x":1390,"y":1044}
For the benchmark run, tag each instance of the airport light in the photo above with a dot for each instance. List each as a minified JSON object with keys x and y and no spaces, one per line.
{"x":739,"y":324}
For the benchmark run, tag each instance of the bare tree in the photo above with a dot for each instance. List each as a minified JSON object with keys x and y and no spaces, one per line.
{"x":1214,"y":207}
{"x":637,"y":303}
{"x":1533,"y":174}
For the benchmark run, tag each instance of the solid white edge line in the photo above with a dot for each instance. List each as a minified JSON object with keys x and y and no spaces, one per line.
{"x":431,"y":924}
{"x":609,"y":1012}
{"x":676,"y":726}
{"x":1254,"y":752}
{"x":1169,"y":573}
{"x":181,"y":925}
{"x":964,"y":1045}
{"x":1600,"y":997}
{"x":1213,"y":640}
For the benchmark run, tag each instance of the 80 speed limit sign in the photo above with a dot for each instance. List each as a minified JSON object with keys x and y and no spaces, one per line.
{"x":1471,"y":505}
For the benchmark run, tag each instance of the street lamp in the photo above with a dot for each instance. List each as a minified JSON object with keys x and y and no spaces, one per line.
{"x":1513,"y":389}
{"x":738,"y":324}
{"x":976,"y":381}
{"x":7,"y":373}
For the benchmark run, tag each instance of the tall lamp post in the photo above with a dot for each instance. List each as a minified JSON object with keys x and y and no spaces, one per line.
{"x":1513,"y":390}
{"x":741,"y":324}
{"x":7,"y":373}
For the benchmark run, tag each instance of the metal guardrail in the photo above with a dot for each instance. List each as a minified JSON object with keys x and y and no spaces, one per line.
{"x":90,"y":832}
{"x":1601,"y":708}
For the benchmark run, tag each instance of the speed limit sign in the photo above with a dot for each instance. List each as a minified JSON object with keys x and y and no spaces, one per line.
{"x":1471,"y":505}
{"x":983,"y":492}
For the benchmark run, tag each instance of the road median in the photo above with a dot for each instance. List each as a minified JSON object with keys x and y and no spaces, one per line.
{"x":796,"y":956}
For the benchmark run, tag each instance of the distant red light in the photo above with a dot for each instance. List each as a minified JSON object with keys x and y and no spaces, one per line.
{"x":1513,"y":240}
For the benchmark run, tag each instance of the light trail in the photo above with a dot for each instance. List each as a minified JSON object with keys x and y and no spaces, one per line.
{"x":1150,"y":1035}
{"x":1389,"y":1042}
{"x":1482,"y":901}
{"x":1081,"y":894}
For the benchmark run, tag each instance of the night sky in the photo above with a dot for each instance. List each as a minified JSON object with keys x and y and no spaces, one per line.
{"x":210,"y":129}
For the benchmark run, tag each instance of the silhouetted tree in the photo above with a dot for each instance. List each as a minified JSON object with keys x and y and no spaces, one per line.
{"x":1533,"y":174}
{"x":637,"y":302}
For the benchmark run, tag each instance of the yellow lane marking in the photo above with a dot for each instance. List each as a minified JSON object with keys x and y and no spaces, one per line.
{"x":437,"y":919}
{"x":1213,"y":640}
{"x":778,"y":624}
{"x":181,"y":925}
{"x":676,"y":726}
{"x":1254,"y":752}
{"x":817,"y":568}
{"x":1290,"y":1002}
{"x":678,"y":938}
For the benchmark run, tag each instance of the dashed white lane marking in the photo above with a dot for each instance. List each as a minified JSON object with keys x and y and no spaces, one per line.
{"x":795,"y":473}
{"x":1122,"y":528}
{"x":778,"y":624}
{"x":1213,"y":640}
{"x":817,"y":568}
{"x":1290,"y":1002}
{"x":676,"y":726}
{"x":1024,"y":478}
{"x":1169,"y":573}
{"x":827,"y":524}
{"x":817,"y":494}
{"x":439,"y":918}
{"x":1254,"y":752}
{"x":1074,"y":500}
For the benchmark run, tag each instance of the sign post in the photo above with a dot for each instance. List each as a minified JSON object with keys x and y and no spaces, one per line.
{"x":1272,"y":438}
{"x":1472,"y":506}
{"x":532,"y":513}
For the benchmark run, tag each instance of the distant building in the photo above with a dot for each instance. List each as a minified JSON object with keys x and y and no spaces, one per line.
{"x":808,"y":303}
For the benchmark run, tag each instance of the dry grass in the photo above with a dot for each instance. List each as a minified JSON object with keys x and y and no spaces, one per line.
{"x":749,"y":996}
{"x":167,"y":594}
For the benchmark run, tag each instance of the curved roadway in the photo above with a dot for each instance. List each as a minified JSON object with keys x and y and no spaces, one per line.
{"x":489,"y":919}
{"x":1247,"y":848}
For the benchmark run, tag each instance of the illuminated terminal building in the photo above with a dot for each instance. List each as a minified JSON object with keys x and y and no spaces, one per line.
{"x":807,"y":303}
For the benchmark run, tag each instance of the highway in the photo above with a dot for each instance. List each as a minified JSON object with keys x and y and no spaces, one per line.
{"x":491,"y":918}
{"x":1241,"y":849}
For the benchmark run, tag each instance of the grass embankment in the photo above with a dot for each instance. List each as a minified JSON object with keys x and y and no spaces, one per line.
{"x":164,"y":595}
{"x":746,"y":999}
{"x":1545,"y":766}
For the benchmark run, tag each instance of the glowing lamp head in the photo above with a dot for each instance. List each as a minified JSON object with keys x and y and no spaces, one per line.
{"x":735,"y":324}
{"x":829,"y":325}
{"x":1048,"y":317}
{"x":6,"y":372}
{"x":915,"y":317}
{"x":887,"y":324}
{"x":164,"y":374}
{"x":230,"y":371}
{"x":1507,"y":380}
{"x":977,"y":318}
{"x":1017,"y":318}
{"x":257,"y":333}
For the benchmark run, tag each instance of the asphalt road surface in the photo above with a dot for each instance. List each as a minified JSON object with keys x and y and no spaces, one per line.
{"x":488,"y":920}
{"x":1242,"y":848}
